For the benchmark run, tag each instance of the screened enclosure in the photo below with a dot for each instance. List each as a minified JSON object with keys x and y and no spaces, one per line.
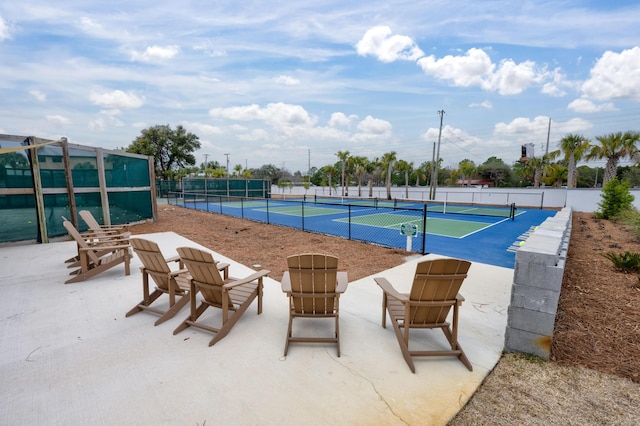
{"x":42,"y":181}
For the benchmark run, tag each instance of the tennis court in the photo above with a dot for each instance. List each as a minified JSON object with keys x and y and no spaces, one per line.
{"x":482,"y":233}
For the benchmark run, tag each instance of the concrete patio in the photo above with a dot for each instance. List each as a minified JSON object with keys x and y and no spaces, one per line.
{"x":68,"y":355}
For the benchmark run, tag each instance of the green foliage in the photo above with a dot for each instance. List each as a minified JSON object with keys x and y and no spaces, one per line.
{"x":171,"y":149}
{"x":626,"y":262}
{"x":616,"y":198}
{"x":631,"y":218}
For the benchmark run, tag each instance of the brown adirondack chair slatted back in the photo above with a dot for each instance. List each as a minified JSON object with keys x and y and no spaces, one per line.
{"x":204,"y":273}
{"x":313,"y":283}
{"x":434,"y":281}
{"x":153,"y":261}
{"x":75,"y":234}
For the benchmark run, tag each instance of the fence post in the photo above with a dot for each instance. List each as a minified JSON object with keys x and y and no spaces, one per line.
{"x":424,"y":227}
{"x":302,"y":205}
{"x":349,"y":232}
{"x":267,"y":210}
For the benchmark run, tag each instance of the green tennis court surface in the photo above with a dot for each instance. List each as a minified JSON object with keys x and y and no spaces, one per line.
{"x":296,"y":210}
{"x":445,"y":227}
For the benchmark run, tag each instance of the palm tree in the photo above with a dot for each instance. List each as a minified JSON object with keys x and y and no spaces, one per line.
{"x":406,"y":168}
{"x":329,"y":171}
{"x":343,"y":155}
{"x":237,"y":169}
{"x":614,"y":147}
{"x":573,"y":147}
{"x":420,"y":174}
{"x":373,"y":169}
{"x":556,"y":174}
{"x":359,"y":169}
{"x":538,"y":166}
{"x":388,"y":161}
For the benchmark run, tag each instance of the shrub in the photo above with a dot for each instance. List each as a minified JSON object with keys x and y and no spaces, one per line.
{"x":631,"y":218}
{"x":616,"y":198}
{"x":626,"y":262}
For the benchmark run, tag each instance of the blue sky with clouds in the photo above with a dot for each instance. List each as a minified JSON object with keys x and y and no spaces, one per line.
{"x":281,"y":82}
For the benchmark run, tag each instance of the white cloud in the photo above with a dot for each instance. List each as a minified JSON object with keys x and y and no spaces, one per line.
{"x":472,"y":69}
{"x":202,"y":129}
{"x":4,"y":30}
{"x":254,"y":135}
{"x":155,"y":53}
{"x":379,"y":42}
{"x":614,"y":76}
{"x":340,"y":119}
{"x":586,"y":106}
{"x":57,"y":119}
{"x":41,"y":97}
{"x":475,"y":68}
{"x":117,"y":99}
{"x":97,"y":125}
{"x":522,"y":125}
{"x":539,"y":126}
{"x":375,"y":126}
{"x":286,"y":80}
{"x":483,"y":104}
{"x":278,"y":115}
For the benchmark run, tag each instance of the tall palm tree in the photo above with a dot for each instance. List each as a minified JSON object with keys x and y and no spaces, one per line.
{"x":538,"y":166}
{"x":359,"y":169}
{"x":237,"y":169}
{"x":406,"y":168}
{"x":574,"y":147}
{"x":388,"y":160}
{"x":343,"y":156}
{"x":614,"y":147}
{"x":373,"y":168}
{"x":329,"y":171}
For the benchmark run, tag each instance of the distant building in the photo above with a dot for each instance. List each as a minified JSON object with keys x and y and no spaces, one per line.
{"x":474,"y":182}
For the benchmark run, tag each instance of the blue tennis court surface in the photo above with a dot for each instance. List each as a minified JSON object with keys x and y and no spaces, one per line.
{"x":476,"y":233}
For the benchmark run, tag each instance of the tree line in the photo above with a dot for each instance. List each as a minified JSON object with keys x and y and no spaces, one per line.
{"x":173,"y":152}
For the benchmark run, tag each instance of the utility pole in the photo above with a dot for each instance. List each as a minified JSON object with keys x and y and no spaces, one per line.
{"x":309,"y":166}
{"x":434,"y":175}
{"x":548,"y":134}
{"x":206,"y":157}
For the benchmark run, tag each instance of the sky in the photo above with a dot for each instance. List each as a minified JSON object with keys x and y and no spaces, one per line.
{"x":293,"y":83}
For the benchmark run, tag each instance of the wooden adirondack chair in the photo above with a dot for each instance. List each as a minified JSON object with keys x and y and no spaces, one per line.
{"x":433,"y":293}
{"x":97,"y":255}
{"x":96,"y":228}
{"x":313,"y":285}
{"x":231,"y":295}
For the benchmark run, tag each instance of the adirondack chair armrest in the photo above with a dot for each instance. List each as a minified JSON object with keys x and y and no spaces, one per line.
{"x":173,"y":274}
{"x":343,"y":282}
{"x":224,"y":267}
{"x":100,"y":247}
{"x":246,"y":280}
{"x":285,"y":283}
{"x":103,"y":243}
{"x":459,"y":299}
{"x":94,"y":232}
{"x":386,"y":287}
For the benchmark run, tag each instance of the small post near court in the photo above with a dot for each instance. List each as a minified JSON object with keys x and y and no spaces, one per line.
{"x":410,"y":230}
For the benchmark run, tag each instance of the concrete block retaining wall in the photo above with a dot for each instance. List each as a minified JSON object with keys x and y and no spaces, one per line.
{"x":537,"y":282}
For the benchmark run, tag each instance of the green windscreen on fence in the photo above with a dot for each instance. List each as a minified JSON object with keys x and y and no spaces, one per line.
{"x":127,"y":185}
{"x":217,"y":187}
